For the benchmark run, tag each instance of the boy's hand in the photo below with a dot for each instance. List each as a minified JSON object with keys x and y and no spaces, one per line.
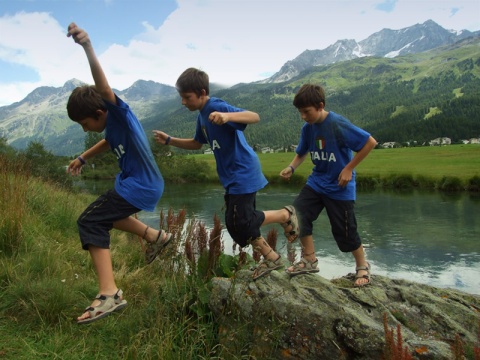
{"x":78,"y":35}
{"x":75,"y":167}
{"x":218,"y":118}
{"x":344,"y":177}
{"x":286,"y":173}
{"x":160,"y":137}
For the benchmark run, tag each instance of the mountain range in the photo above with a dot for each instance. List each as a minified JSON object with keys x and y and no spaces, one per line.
{"x":435,"y":68}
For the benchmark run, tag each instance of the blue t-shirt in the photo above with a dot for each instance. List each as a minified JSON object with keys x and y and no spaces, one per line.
{"x":238,"y":166}
{"x":140,"y":181}
{"x":331,"y":144}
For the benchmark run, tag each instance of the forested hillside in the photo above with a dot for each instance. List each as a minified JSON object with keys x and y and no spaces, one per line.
{"x":412,"y":98}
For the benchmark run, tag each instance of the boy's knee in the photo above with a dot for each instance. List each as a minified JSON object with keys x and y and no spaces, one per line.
{"x":240,"y":241}
{"x":348,"y":245}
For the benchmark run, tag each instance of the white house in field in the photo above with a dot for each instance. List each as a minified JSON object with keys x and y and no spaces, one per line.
{"x":440,"y":141}
{"x":389,"y":144}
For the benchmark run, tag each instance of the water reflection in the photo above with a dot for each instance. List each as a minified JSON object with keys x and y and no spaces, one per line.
{"x":425,"y":237}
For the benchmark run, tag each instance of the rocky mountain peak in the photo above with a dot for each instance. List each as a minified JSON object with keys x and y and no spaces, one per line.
{"x":384,"y":43}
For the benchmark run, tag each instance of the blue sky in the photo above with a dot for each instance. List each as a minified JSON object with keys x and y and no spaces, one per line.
{"x":233,"y":40}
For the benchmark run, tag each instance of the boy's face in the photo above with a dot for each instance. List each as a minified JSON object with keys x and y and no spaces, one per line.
{"x":311,"y":114}
{"x":92,"y":124}
{"x":192,"y":101}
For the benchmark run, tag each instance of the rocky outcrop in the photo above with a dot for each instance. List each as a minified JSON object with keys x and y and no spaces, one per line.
{"x":310,"y":317}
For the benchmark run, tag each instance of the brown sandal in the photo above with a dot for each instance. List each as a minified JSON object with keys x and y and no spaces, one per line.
{"x":266,"y":266}
{"x":306,"y":268}
{"x":156,"y":247}
{"x":366,"y":276}
{"x":293,"y":222}
{"x":108,"y":304}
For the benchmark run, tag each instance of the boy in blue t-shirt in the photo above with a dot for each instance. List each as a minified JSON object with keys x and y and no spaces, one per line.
{"x":221,"y":125}
{"x":330,"y":140}
{"x":139,"y":185}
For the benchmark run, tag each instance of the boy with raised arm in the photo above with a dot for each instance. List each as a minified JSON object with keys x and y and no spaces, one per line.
{"x":138,"y":186}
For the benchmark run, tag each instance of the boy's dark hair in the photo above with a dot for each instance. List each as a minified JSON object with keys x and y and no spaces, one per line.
{"x":84,"y":101}
{"x":309,"y":95}
{"x":193,"y":80}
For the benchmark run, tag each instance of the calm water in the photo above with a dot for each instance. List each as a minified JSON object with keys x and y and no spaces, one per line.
{"x":429,"y":238}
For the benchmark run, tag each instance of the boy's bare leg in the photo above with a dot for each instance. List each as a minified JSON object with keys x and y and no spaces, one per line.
{"x":278,"y":217}
{"x":102,"y":262}
{"x":360,"y":260}
{"x":308,"y":250}
{"x":263,"y":248}
{"x":135,"y":226}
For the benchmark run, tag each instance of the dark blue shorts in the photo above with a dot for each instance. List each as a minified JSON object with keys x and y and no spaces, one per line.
{"x":95,"y":223}
{"x":309,"y":204}
{"x":242,"y":219}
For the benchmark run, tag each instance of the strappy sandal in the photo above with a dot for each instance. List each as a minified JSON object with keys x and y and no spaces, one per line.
{"x":108,"y":304}
{"x":266,"y":266}
{"x":306,"y":268}
{"x":366,"y":276}
{"x":156,"y":247}
{"x":293,"y":221}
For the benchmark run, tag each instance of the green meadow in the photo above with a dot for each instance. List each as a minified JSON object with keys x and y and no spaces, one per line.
{"x":423,"y":167}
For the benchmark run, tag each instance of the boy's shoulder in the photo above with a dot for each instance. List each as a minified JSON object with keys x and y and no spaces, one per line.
{"x":221,"y":105}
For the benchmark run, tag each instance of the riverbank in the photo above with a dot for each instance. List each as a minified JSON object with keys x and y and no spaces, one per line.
{"x":446,"y":168}
{"x":450,"y":168}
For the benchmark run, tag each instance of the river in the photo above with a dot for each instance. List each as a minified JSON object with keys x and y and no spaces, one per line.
{"x":426,"y":237}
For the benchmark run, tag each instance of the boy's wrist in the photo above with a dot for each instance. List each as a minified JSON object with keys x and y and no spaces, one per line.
{"x":291,"y":167}
{"x":82,"y":160}
{"x":168,"y":140}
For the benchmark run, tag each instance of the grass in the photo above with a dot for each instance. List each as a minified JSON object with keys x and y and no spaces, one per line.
{"x":46,"y":281}
{"x":427,"y":165}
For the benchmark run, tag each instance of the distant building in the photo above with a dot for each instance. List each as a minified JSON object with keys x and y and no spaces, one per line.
{"x":389,"y":144}
{"x":440,"y":141}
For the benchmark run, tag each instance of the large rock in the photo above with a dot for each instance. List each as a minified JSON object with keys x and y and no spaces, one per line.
{"x":310,"y":317}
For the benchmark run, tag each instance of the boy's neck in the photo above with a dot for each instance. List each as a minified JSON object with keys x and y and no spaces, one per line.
{"x":322,"y":116}
{"x":204,"y":101}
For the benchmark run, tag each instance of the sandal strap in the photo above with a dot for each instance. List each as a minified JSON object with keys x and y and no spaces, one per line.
{"x":265,"y":266}
{"x":307,"y":264}
{"x":103,"y":298}
{"x":145,"y":233}
{"x":363,"y":267}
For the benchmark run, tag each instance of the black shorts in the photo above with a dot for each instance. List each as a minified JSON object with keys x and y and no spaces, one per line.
{"x":95,"y":223}
{"x":309,"y":204}
{"x":242,"y":219}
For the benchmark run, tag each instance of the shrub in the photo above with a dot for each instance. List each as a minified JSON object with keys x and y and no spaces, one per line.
{"x":450,"y":183}
{"x":400,"y":181}
{"x":474,"y":183}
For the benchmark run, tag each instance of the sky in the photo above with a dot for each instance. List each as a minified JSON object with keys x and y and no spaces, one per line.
{"x":234,"y":41}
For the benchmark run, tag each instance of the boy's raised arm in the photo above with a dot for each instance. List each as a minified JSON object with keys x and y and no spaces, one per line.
{"x":81,"y":37}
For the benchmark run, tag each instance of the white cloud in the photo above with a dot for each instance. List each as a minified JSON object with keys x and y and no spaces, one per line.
{"x":233,"y":40}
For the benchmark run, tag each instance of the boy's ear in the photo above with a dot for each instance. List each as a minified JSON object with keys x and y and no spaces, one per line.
{"x":204,"y":92}
{"x":100,"y":114}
